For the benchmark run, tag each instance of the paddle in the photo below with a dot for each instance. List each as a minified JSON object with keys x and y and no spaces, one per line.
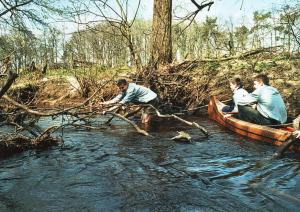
{"x":291,"y":140}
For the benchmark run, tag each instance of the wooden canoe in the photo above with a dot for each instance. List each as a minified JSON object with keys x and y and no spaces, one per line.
{"x":275,"y":136}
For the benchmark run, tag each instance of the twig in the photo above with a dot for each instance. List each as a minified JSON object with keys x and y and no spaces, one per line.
{"x":194,"y":124}
{"x":139,"y":130}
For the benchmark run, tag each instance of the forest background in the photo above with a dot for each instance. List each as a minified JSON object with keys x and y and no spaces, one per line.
{"x":210,"y":41}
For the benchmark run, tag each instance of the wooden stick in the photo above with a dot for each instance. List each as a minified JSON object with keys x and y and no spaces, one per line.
{"x":133,"y":112}
{"x":126,"y":115}
{"x":194,"y":124}
{"x":203,"y":106}
{"x":139,"y":130}
{"x":285,"y":147}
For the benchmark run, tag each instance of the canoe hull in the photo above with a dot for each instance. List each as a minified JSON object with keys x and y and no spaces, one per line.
{"x":258,"y":132}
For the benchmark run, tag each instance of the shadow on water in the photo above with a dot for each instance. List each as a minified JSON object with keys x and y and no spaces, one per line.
{"x":118,"y":169}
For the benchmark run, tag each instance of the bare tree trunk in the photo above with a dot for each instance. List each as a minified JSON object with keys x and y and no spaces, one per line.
{"x":10,"y":80}
{"x":135,"y":56}
{"x":161,"y":50}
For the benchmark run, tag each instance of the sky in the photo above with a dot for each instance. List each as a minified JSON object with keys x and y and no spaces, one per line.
{"x":236,"y":11}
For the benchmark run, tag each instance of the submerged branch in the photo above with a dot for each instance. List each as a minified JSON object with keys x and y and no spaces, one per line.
{"x":193,"y":124}
{"x":139,"y":130}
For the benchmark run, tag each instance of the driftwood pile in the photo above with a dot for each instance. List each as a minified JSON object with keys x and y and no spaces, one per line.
{"x":14,"y":143}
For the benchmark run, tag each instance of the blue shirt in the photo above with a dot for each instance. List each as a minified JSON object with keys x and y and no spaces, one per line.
{"x":136,"y":94}
{"x":269,"y":103}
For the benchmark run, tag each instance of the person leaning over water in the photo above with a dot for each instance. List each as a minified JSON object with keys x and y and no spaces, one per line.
{"x":269,"y":106}
{"x":238,"y":92}
{"x":133,"y":93}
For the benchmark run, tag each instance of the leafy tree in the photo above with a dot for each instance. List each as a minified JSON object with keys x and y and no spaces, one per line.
{"x":241,"y":34}
{"x":23,"y":13}
{"x":261,"y":28}
{"x":289,"y":25}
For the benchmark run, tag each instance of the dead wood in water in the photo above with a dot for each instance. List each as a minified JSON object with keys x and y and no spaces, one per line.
{"x":14,"y":143}
{"x":192,"y":124}
{"x":139,"y":130}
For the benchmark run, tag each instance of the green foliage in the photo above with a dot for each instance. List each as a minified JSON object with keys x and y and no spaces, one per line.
{"x":213,"y":66}
{"x":24,"y":14}
{"x":264,"y":66}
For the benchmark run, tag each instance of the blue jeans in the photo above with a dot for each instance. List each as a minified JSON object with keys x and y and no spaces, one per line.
{"x":229,"y":107}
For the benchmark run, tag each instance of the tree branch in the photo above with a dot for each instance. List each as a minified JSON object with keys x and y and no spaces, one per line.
{"x":15,"y":7}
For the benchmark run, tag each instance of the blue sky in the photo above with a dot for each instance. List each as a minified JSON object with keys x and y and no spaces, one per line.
{"x":237,"y":10}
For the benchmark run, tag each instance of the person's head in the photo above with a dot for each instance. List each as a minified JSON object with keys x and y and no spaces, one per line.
{"x":122,"y":84}
{"x":235,"y":83}
{"x":260,"y":80}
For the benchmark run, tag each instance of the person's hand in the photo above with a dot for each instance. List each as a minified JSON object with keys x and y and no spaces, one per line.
{"x":296,"y":133}
{"x":103,"y":103}
{"x":227,"y":115}
{"x":254,"y":106}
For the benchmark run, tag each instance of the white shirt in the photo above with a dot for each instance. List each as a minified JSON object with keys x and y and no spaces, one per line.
{"x":238,"y":94}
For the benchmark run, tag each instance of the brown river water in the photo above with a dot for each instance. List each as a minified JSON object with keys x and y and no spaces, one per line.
{"x":117,"y":169}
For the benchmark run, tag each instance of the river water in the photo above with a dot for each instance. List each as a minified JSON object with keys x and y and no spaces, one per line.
{"x":116,"y":169}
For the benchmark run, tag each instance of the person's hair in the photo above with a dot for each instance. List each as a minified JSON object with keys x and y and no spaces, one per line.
{"x":237,"y":81}
{"x":121,"y":82}
{"x":262,"y":78}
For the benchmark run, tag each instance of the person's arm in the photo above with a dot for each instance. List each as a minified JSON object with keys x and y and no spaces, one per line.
{"x":250,"y":98}
{"x":111,"y":109}
{"x":130,"y":95}
{"x":113,"y":101}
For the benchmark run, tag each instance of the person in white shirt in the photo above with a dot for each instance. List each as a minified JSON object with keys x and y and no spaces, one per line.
{"x":133,"y":93}
{"x":238,"y":92}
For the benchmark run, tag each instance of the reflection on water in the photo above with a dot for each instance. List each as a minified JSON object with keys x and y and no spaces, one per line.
{"x":118,"y":169}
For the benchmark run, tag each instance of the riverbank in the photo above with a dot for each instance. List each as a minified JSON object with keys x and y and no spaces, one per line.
{"x":183,"y":86}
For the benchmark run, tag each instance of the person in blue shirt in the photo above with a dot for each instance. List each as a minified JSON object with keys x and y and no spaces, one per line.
{"x":136,"y":94}
{"x":264,"y":105}
{"x":238,"y":92}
